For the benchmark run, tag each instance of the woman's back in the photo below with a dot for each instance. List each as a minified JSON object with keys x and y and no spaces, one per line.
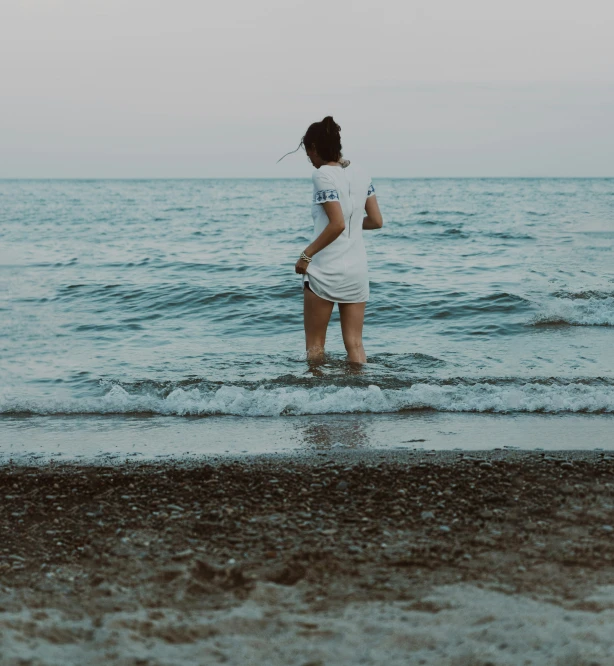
{"x":350,"y":186}
{"x":339,"y":272}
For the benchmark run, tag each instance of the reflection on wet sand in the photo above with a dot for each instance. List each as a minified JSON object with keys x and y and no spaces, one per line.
{"x":349,"y":432}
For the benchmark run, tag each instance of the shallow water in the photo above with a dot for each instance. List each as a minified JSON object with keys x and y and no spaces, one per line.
{"x":179,"y":298}
{"x":117,"y":439}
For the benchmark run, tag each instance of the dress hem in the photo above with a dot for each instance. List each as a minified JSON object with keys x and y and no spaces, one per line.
{"x":330,"y":300}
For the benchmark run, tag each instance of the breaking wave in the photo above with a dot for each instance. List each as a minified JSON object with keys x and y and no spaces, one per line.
{"x":578,"y":309}
{"x":551,"y":396}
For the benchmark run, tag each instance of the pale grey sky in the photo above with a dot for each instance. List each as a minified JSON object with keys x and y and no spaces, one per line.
{"x":144,"y":88}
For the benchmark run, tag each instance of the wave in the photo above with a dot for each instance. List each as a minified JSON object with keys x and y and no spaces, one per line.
{"x":169,"y":299}
{"x":505,"y":313}
{"x":539,"y":396}
{"x":507,"y":235}
{"x":584,"y":295}
{"x":460,"y":213}
{"x":578,"y":309}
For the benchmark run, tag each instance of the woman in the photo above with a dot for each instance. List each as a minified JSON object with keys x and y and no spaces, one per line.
{"x":334,"y":264}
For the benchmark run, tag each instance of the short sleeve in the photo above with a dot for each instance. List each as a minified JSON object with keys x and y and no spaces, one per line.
{"x":323,"y":188}
{"x":371,"y":190}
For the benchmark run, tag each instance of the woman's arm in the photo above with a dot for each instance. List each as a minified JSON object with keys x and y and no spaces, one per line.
{"x":334,"y":229}
{"x":373,"y":219}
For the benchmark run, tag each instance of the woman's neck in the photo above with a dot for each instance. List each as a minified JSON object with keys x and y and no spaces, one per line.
{"x":341,"y":163}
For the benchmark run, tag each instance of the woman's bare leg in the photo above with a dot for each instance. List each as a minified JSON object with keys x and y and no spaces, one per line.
{"x":352,"y":318}
{"x":317,"y":312}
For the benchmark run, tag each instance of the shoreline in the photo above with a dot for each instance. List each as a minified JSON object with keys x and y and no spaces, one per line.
{"x":313,"y":537}
{"x":314,"y":457}
{"x":98,"y":439}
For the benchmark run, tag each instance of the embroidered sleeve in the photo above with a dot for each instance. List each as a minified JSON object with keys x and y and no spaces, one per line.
{"x":371,"y":190}
{"x":325,"y":195}
{"x":324,"y":188}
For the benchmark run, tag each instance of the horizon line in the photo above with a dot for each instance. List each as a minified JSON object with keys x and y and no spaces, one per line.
{"x":142,"y":178}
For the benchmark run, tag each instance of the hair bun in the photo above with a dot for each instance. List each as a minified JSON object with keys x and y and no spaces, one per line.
{"x":331,"y":126}
{"x":325,"y":137}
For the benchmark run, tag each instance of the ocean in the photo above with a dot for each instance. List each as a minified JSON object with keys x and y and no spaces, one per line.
{"x":164,"y":317}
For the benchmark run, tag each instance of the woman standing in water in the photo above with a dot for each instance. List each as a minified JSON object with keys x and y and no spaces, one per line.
{"x":334,"y":264}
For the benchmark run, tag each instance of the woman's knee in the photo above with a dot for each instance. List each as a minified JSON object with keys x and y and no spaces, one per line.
{"x":352,"y":343}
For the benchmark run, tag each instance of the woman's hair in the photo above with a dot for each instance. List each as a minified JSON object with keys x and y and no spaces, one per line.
{"x":325,"y":136}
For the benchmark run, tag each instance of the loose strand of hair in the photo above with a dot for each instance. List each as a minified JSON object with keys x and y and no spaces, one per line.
{"x":290,"y":153}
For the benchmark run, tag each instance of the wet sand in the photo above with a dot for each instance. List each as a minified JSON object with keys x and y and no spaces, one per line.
{"x":488,"y":557}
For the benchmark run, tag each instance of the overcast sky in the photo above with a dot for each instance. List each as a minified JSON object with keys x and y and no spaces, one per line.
{"x":186,"y":88}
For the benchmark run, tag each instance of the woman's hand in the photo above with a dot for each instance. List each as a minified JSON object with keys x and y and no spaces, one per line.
{"x":301,"y":266}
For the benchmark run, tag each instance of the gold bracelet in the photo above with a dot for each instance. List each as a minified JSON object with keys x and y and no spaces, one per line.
{"x":304,"y":257}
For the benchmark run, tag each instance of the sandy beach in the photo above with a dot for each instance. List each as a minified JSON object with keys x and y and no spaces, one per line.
{"x":408,"y":557}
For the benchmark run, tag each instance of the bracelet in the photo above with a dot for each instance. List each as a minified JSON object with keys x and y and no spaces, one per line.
{"x":304,"y":257}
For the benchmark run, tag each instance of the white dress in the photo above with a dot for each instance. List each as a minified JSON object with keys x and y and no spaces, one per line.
{"x":339,"y":272}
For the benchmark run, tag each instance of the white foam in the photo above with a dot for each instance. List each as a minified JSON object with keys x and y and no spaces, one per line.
{"x":280,"y":401}
{"x":578,"y":312}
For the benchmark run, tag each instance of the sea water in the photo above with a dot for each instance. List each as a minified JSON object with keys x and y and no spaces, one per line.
{"x":137,"y":305}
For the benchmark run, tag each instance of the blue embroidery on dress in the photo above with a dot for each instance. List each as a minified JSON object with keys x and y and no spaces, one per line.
{"x":325,"y":195}
{"x":371,"y":190}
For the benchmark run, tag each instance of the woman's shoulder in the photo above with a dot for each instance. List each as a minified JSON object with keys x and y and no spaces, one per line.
{"x":359,"y":174}
{"x":325,"y":174}
{"x":328,"y":173}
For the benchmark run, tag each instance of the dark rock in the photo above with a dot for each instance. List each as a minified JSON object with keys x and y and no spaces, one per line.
{"x":203,"y":571}
{"x":287,"y":575}
{"x":168,"y":574}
